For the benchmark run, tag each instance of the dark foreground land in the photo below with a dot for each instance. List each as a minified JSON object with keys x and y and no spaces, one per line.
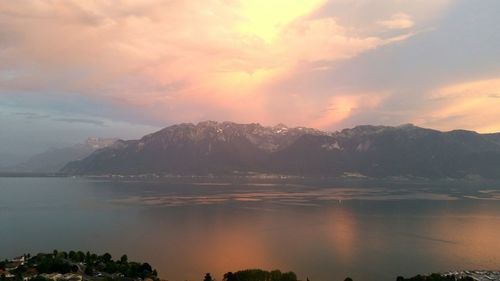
{"x":74,"y":266}
{"x":80,"y":266}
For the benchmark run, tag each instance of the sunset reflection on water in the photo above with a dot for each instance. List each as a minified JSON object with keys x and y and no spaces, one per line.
{"x":322,"y":233}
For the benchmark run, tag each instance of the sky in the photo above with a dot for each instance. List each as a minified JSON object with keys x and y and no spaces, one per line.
{"x":124,"y":68}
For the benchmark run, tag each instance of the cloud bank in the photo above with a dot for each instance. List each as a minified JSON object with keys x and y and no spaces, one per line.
{"x":158,"y":62}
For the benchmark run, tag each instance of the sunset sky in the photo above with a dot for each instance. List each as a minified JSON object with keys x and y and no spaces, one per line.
{"x":72,"y":69}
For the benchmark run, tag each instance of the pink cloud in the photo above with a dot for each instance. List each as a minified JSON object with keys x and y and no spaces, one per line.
{"x":397,"y":21}
{"x":470,"y":105}
{"x":181,"y":60}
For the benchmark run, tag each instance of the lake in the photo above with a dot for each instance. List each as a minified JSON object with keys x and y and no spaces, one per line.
{"x":320,"y":230}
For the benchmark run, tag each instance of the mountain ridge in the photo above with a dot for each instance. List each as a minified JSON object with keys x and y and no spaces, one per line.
{"x":211,"y":147}
{"x":54,"y":159}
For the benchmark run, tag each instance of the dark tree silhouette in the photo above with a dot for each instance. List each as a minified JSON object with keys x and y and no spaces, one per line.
{"x":208,"y":277}
{"x":229,"y":277}
{"x":106,"y":257}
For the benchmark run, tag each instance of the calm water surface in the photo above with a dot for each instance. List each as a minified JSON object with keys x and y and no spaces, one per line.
{"x":324,"y":232}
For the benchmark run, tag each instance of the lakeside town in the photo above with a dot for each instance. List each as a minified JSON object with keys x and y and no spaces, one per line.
{"x":75,"y":266}
{"x":477,"y":275}
{"x":80,"y":266}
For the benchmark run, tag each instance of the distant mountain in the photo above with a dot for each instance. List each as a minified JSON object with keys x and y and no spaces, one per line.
{"x":9,"y":159}
{"x":493,"y":137}
{"x":55,"y":159}
{"x":208,"y":147}
{"x":226,"y":148}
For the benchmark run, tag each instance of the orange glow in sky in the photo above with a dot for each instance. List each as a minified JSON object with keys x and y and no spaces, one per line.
{"x":323,"y":63}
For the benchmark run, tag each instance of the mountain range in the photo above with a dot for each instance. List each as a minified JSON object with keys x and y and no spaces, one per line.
{"x":54,"y":159}
{"x":229,"y":148}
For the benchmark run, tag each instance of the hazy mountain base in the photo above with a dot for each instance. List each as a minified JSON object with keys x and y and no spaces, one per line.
{"x":211,"y":148}
{"x":53,"y":160}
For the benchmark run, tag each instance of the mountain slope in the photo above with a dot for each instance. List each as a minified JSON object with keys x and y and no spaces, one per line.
{"x":222,"y":148}
{"x":208,"y":147}
{"x":395,"y":151}
{"x":53,"y":160}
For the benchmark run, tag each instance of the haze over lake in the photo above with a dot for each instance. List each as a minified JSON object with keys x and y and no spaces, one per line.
{"x":324,"y":231}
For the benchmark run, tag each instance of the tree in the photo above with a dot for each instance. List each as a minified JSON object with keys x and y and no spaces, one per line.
{"x":348,"y":279}
{"x":289,"y":276}
{"x":145,"y":267}
{"x":89,"y":270}
{"x":72,"y":256}
{"x":208,"y":277}
{"x":259,"y":274}
{"x":124,"y":259}
{"x":80,"y":256}
{"x":106,"y":257}
{"x":229,"y":277}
